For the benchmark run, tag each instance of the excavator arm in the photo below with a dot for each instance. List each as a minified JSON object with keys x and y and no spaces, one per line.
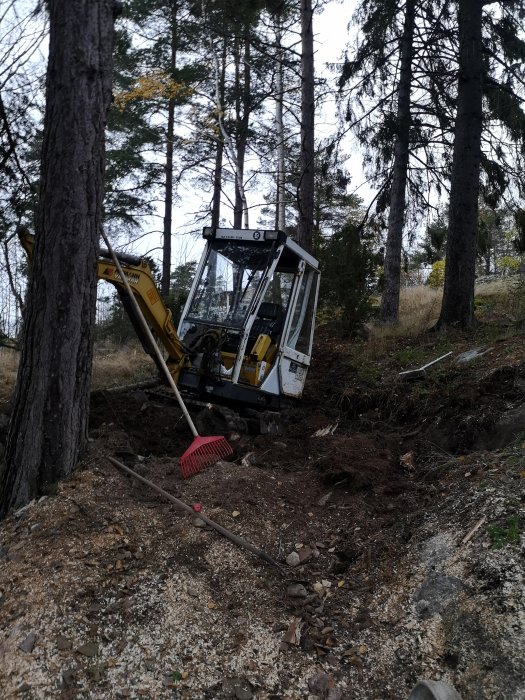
{"x":140,"y":279}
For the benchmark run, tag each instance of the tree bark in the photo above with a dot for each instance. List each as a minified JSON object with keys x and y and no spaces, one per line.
{"x":168,"y":184}
{"x":48,"y":430}
{"x":242,"y":117}
{"x":219,"y":153}
{"x":305,"y":194}
{"x":460,"y":272}
{"x":168,"y":202}
{"x":280,"y":208}
{"x":396,"y":218}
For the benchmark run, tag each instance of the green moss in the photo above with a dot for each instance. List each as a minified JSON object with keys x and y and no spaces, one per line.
{"x":500,"y":535}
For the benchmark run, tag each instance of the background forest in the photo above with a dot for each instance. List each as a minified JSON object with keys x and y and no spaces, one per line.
{"x":225,"y":113}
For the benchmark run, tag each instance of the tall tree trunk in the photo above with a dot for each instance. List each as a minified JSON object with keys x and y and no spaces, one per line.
{"x":48,"y":429}
{"x":217,"y":186}
{"x":168,"y":184}
{"x":305,"y":192}
{"x":219,"y":153}
{"x":460,"y":272}
{"x":168,"y":202}
{"x":396,"y":217}
{"x":280,"y":208}
{"x":242,"y":117}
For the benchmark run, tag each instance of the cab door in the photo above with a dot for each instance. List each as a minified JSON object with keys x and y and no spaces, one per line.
{"x":298,"y":332}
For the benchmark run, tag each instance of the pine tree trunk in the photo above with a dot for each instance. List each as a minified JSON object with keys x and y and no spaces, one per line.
{"x":243,"y":111}
{"x":280,"y":208}
{"x":168,"y":203}
{"x":305,"y":192}
{"x":48,"y":430}
{"x":168,"y":183}
{"x":219,"y":153}
{"x":217,"y":186}
{"x":392,"y":266}
{"x":460,"y":271}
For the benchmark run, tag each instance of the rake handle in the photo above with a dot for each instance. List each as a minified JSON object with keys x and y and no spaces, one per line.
{"x":184,"y":506}
{"x":149,"y":334}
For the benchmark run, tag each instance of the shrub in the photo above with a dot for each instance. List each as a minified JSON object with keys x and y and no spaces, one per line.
{"x":508,"y":264}
{"x":349,"y":276}
{"x":437,"y":276}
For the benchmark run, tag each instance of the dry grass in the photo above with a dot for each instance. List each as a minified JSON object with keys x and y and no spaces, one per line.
{"x":419,"y":309}
{"x":112,"y":366}
{"x":502,"y":298}
{"x":115,"y":365}
{"x":8,"y":369}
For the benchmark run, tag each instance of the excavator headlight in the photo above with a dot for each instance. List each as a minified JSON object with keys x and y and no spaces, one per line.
{"x":208,"y":231}
{"x":271,"y":235}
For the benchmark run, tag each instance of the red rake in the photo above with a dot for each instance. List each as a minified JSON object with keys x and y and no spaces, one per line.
{"x":202,"y":453}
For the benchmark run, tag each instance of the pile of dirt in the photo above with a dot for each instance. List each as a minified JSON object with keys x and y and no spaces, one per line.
{"x":399,"y":557}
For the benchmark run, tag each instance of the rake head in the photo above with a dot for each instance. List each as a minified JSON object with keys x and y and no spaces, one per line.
{"x":202,"y":453}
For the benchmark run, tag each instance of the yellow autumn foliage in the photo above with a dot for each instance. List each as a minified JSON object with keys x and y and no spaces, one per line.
{"x":157,"y":85}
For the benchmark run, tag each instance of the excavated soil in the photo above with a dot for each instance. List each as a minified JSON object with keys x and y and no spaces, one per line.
{"x":394,"y":510}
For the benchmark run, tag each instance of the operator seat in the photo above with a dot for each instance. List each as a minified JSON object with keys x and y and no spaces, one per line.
{"x":269,"y":320}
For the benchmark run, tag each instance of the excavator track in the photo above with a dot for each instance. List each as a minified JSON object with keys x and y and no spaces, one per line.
{"x":211,"y":417}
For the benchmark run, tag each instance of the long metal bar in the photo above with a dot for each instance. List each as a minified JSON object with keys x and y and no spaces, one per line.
{"x":421,"y":370}
{"x":147,"y":331}
{"x":184,"y":506}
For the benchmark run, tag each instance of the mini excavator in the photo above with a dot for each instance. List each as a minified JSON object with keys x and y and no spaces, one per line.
{"x":246,"y":331}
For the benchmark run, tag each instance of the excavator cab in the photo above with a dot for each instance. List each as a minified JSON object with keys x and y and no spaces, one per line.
{"x":249,"y":318}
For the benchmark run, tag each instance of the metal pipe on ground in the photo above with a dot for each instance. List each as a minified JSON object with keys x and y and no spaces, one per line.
{"x":184,"y":506}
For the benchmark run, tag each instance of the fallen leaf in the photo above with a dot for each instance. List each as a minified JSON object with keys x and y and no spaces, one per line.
{"x":328,"y":430}
{"x":212,"y":605}
{"x":407,"y":460}
{"x":293,"y":633}
{"x":236,"y":513}
{"x":324,"y":499}
{"x":305,"y":553}
{"x":247,"y":460}
{"x":90,"y":649}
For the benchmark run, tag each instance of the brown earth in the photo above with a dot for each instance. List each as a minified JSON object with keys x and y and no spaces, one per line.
{"x":108,"y":591}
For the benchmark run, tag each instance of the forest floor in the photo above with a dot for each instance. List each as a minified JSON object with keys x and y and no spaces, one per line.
{"x":403,"y":502}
